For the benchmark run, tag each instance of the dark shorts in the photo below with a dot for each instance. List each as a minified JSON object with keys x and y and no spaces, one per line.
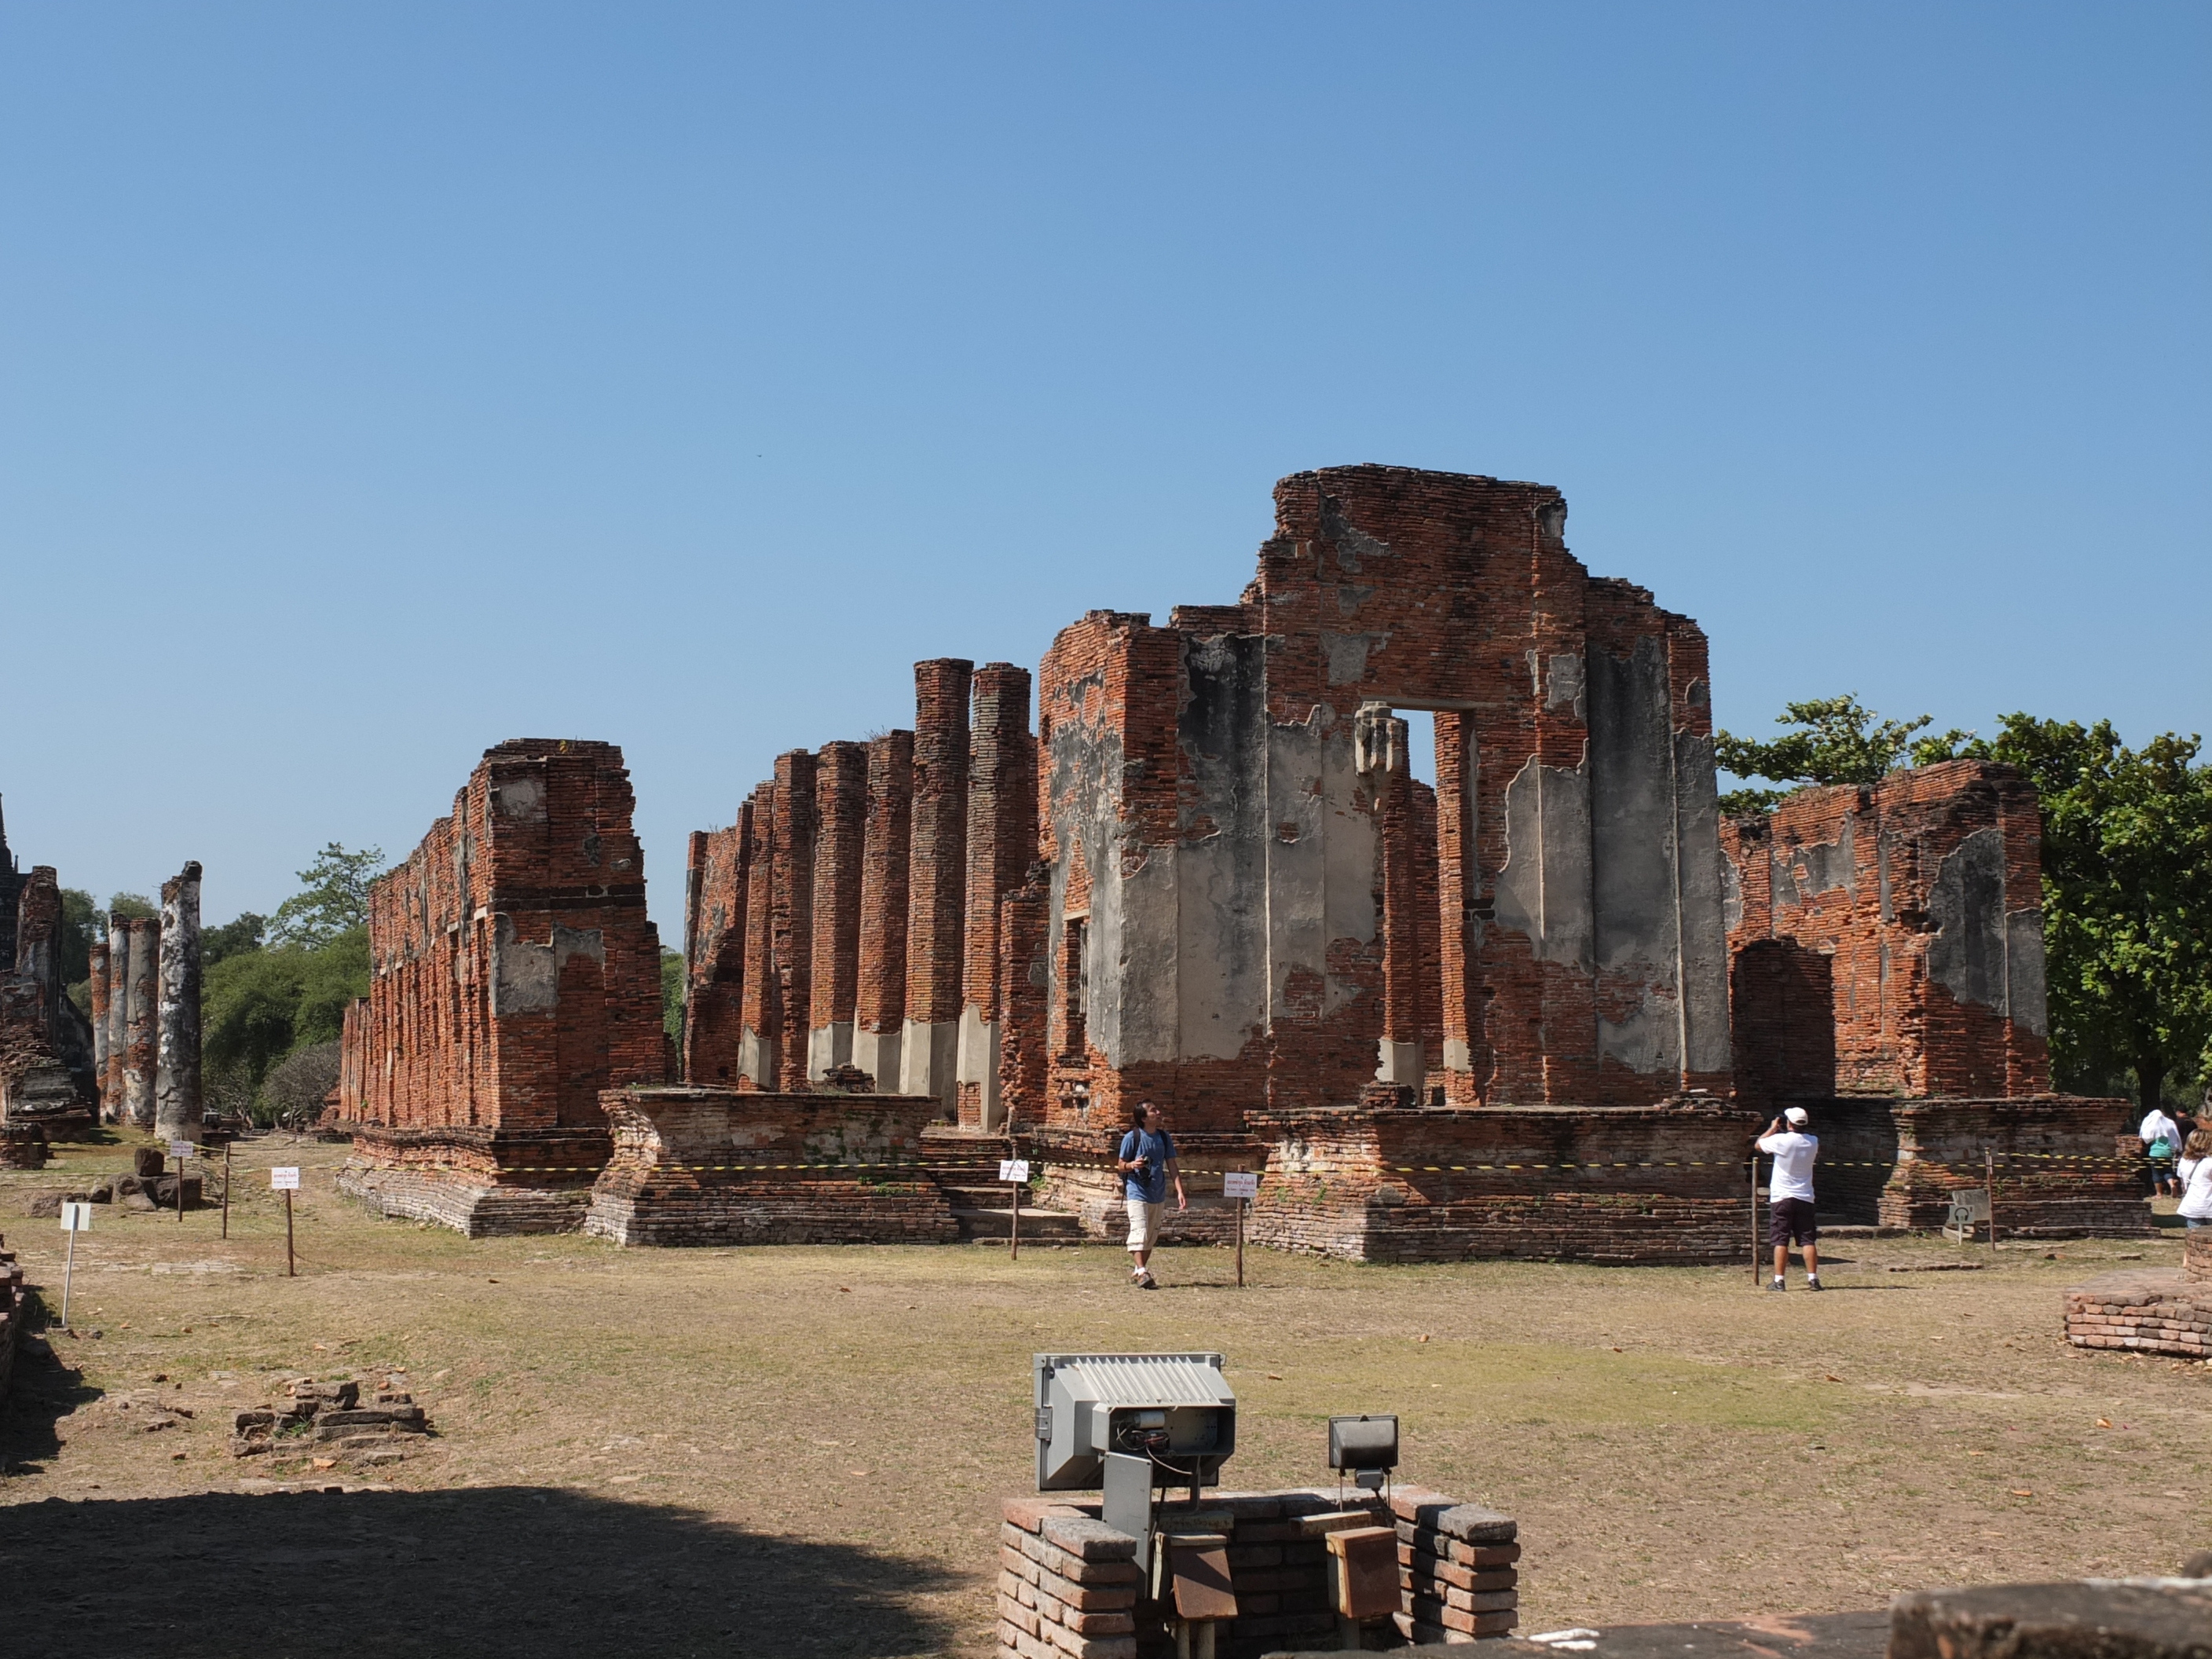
{"x":1790,"y":1222}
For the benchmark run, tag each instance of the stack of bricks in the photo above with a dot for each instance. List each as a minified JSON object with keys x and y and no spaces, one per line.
{"x":2147,"y":1311}
{"x":14,"y":1305}
{"x":1070,"y":1586}
{"x":514,"y":976}
{"x":1456,"y":1568}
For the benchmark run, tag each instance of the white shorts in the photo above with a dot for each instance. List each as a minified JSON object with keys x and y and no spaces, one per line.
{"x":1145,"y":1225}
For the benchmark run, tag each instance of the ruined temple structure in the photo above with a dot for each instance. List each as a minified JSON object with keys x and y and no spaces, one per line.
{"x":1886,"y":947}
{"x":857,"y":913}
{"x":46,"y":1043}
{"x":515,"y":977}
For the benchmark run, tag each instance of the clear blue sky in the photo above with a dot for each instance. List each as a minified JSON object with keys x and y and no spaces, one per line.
{"x":377,"y":382}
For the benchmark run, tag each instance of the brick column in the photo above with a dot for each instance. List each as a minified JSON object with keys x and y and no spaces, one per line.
{"x":118,"y":1019}
{"x":761,"y":1001}
{"x":142,"y":1021}
{"x":1001,"y":847}
{"x":714,"y":935}
{"x":841,"y":812}
{"x":1024,"y":998}
{"x":879,"y":1003}
{"x":100,"y":1019}
{"x":1466,"y":1051}
{"x":936,"y":881}
{"x":792,"y":913}
{"x":177,"y":1038}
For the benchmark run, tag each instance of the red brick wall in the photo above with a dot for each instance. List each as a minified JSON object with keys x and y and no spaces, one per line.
{"x":515,"y":974}
{"x":790,"y":921}
{"x":1917,"y":904}
{"x":1001,"y":847}
{"x":715,"y":949}
{"x":762,"y":996}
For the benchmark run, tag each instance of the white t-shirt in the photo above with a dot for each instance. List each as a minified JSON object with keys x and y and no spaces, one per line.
{"x":2157,"y":1126}
{"x":1793,"y":1153}
{"x":2196,"y":1174}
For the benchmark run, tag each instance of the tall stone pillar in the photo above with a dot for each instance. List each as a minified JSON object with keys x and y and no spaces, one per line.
{"x":1380,"y":739}
{"x":1001,"y":847}
{"x":761,"y":999}
{"x":841,"y":814}
{"x":100,"y":1020}
{"x":142,"y":1022}
{"x":936,"y":881}
{"x":177,"y":1063}
{"x":1466,"y":1051}
{"x":792,"y":920}
{"x":118,"y":1019}
{"x":879,"y":1000}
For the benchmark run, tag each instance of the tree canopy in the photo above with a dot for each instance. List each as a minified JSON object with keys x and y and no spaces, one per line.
{"x":333,"y":897}
{"x":1841,"y":741}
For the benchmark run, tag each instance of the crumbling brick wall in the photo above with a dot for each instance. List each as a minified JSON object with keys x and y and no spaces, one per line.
{"x":715,"y":949}
{"x":46,"y":1043}
{"x":1205,"y":779}
{"x":514,"y":976}
{"x":1888,"y":940}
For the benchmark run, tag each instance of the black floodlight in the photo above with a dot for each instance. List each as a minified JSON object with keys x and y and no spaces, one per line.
{"x":1367,"y":1446}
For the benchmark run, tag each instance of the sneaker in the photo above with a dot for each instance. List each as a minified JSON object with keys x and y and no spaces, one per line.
{"x":1148,"y":1283}
{"x":1776,"y":1285}
{"x":1813,"y":1284}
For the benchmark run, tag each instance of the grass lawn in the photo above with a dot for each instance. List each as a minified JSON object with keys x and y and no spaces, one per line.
{"x":803,"y":1449}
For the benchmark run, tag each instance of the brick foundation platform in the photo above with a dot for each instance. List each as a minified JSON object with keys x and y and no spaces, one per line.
{"x":481,"y":1183}
{"x":1070,"y":1586}
{"x":2057,"y":1173}
{"x":718,"y":1166}
{"x":1619,"y":1185}
{"x":2148,"y":1310}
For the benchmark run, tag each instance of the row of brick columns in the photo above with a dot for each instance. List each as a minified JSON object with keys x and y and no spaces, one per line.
{"x":146,"y":1014}
{"x":872,"y":907}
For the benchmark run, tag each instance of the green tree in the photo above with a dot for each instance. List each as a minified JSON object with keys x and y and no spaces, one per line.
{"x":1840,"y":742}
{"x":333,"y":896}
{"x":242,"y":932}
{"x":249,"y":1003}
{"x":2127,"y":898}
{"x":80,"y":928}
{"x":129,"y":905}
{"x":671,"y":994}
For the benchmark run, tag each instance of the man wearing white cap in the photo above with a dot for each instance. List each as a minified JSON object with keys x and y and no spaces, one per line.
{"x":1789,"y":1192}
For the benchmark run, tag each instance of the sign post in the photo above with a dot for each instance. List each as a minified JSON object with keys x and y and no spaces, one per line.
{"x":1970,"y":1207}
{"x":1015,"y":1172}
{"x":1758,"y":1271}
{"x":226,"y":1189}
{"x":287,"y":1182}
{"x":179,"y":1150}
{"x":1990,"y":1175}
{"x":75,"y":1218}
{"x":1243,"y":1186}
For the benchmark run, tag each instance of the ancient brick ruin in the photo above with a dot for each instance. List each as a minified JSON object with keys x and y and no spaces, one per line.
{"x":47,"y":1086}
{"x":1489,"y":1016}
{"x":1886,"y":947}
{"x":515,"y":979}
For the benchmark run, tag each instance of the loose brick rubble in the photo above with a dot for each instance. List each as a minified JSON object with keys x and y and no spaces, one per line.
{"x":2147,"y":1311}
{"x":516,"y":978}
{"x":1070,"y":1586}
{"x":328,"y":1418}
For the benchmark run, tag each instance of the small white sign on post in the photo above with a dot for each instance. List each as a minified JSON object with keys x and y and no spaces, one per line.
{"x":1240,"y":1184}
{"x":1970,"y":1207}
{"x":76,"y":1217}
{"x":1013,"y":1169}
{"x":182,"y":1149}
{"x":284,"y":1179}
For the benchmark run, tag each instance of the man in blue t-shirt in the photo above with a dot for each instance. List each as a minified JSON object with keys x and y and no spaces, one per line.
{"x":1147,"y":1164}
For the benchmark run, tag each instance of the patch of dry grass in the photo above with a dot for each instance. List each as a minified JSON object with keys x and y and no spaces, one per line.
{"x":1675,"y":1444}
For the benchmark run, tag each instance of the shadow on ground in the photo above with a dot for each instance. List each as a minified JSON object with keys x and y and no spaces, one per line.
{"x":465,"y":1572}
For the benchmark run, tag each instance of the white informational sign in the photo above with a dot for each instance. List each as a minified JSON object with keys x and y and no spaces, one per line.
{"x":183,"y":1149}
{"x":284,"y":1179}
{"x":1013,"y":1169}
{"x":76,"y":1217}
{"x":1970,"y":1206}
{"x":1240,"y":1184}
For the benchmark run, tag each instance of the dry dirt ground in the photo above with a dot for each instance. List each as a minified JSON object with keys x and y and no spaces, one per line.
{"x":802,"y":1450}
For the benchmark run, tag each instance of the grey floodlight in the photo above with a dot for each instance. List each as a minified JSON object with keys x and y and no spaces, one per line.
{"x":1173,"y":1411}
{"x":1367,"y":1446}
